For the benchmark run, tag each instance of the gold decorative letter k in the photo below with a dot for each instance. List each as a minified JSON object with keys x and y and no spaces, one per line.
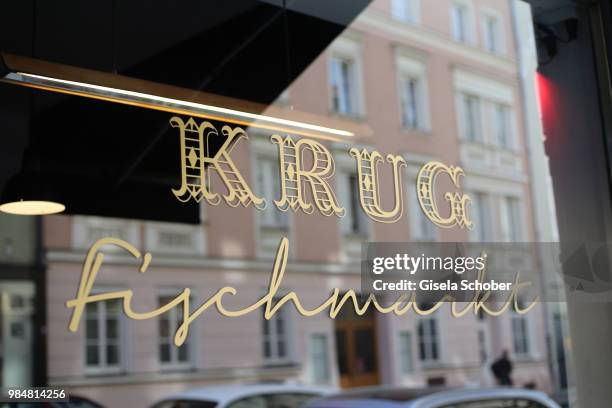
{"x":196,"y":163}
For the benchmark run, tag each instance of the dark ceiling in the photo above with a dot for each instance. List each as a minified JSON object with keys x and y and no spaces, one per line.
{"x":113,"y":160}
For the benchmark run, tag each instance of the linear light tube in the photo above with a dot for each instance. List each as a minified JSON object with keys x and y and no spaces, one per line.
{"x":168,"y":104}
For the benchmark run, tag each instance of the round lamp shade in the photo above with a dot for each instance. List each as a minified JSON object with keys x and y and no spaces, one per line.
{"x":24,"y":195}
{"x":32,"y":207}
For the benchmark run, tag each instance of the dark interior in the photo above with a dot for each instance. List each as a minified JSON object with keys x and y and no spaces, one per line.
{"x":112,"y":160}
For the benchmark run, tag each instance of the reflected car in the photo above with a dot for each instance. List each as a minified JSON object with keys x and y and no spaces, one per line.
{"x":381,"y":397}
{"x":245,"y":396}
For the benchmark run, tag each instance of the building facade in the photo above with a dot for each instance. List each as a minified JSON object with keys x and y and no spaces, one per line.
{"x":421,"y":83}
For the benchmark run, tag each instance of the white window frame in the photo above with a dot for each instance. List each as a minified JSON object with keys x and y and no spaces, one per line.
{"x":482,"y":232}
{"x":271,"y":217}
{"x":507,"y":127}
{"x":273,"y":336}
{"x":489,"y":92}
{"x":429,"y":339}
{"x":468,"y":33}
{"x":350,"y":242}
{"x":484,"y":349}
{"x":346,"y":48}
{"x":312,"y":355}
{"x":266,"y":237}
{"x":103,"y":368}
{"x":517,"y":319}
{"x":421,"y":227}
{"x":348,"y":196}
{"x":406,"y":344}
{"x":499,"y":47}
{"x":473,"y":133}
{"x":512,"y":230}
{"x":410,"y":67}
{"x":406,"y":11}
{"x":172,"y":316}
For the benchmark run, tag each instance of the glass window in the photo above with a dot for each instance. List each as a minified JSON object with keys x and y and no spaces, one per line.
{"x":257,"y":401}
{"x":429,"y":342}
{"x":405,"y":10}
{"x":432,"y":95}
{"x":275,"y":335}
{"x":470,"y":117}
{"x":421,"y":227}
{"x":278,"y":400}
{"x":186,"y":404}
{"x":169,"y":322}
{"x":103,"y":336}
{"x":502,"y":125}
{"x":492,"y":34}
{"x":268,"y":187}
{"x":343,"y":86}
{"x":482,"y":345}
{"x":520,"y":334}
{"x":355,"y":221}
{"x":319,"y":358}
{"x":412,"y":103}
{"x":405,"y":352}
{"x":288,"y":400}
{"x":511,"y":219}
{"x":481,"y":214}
{"x":460,"y":21}
{"x":497,"y":403}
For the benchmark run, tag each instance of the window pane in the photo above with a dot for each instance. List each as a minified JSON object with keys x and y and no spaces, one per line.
{"x":112,"y":354}
{"x":280,"y":323}
{"x":459,"y":16}
{"x":281,"y":349}
{"x":265,"y":325}
{"x":112,"y":328}
{"x":354,"y":204}
{"x":91,"y":329}
{"x":183,"y":352}
{"x":164,"y":327}
{"x":91,"y":310}
{"x":319,"y":358}
{"x":342,"y":85}
{"x":346,"y":73}
{"x":405,"y":348}
{"x":92,"y":355}
{"x":428,"y":339}
{"x":411,"y":103}
{"x":113,"y":307}
{"x":164,"y":352}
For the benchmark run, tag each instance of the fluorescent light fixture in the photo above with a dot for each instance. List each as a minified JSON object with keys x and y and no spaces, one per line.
{"x":32,"y":207}
{"x":173,"y":105}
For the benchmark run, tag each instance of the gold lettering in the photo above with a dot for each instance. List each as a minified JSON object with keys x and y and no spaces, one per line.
{"x":196,"y":164}
{"x":426,"y":181}
{"x":334,"y":303}
{"x":369,"y":190}
{"x":294,"y":177}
